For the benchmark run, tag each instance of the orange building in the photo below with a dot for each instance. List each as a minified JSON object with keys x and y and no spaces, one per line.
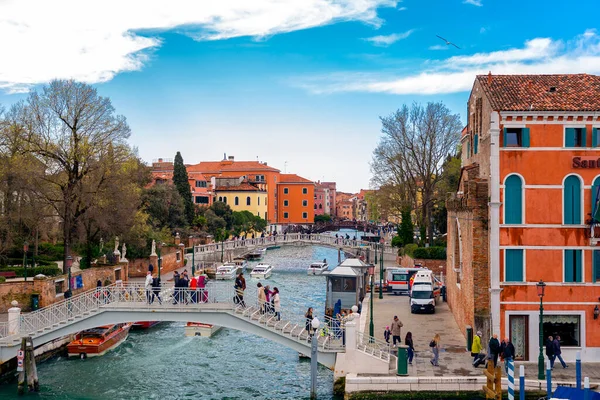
{"x":295,"y":200}
{"x":522,"y":213}
{"x":202,"y":193}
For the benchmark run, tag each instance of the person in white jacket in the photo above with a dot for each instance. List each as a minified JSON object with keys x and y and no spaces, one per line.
{"x":276,"y":303}
{"x":148,"y":286}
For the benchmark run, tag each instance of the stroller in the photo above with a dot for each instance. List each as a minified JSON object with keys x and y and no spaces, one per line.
{"x":479,"y":360}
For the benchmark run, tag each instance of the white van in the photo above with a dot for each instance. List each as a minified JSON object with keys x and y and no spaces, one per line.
{"x":424,"y":293}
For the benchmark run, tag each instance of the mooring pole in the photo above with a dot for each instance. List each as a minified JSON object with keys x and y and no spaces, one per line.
{"x":548,"y":379}
{"x":521,"y":382}
{"x":578,"y":370}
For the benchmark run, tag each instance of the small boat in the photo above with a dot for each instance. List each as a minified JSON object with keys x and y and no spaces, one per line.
{"x":97,"y":341}
{"x":144,"y":324}
{"x":273,"y":247}
{"x":226,"y":271}
{"x":262,"y":251}
{"x":317,"y":268}
{"x":254,"y":255}
{"x":261,"y":271}
{"x":241,"y":263}
{"x":200,"y":329}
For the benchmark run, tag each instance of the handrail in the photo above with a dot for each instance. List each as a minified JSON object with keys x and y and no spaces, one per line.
{"x":373,"y":346}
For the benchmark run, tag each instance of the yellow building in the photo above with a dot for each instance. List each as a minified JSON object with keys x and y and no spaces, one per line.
{"x":242,"y":196}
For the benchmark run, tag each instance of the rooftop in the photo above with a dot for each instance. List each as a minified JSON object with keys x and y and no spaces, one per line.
{"x":569,"y":92}
{"x":242,"y":187}
{"x":293,"y":178}
{"x":230,"y":165}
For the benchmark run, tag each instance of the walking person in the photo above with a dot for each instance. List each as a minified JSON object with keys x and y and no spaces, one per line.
{"x":176,"y":290}
{"x":240,"y":286}
{"x":387,"y":334}
{"x":261,"y":297}
{"x":396,"y":330}
{"x":550,"y":350}
{"x":494,"y":347}
{"x":476,"y":347}
{"x":156,"y":289}
{"x":558,"y":352}
{"x":193,"y":289}
{"x":268,"y":300}
{"x":435,"y":348}
{"x":408,"y":341}
{"x":148,"y":286}
{"x":184,"y":281}
{"x":309,"y":318}
{"x":277,"y":303}
{"x":508,"y":353}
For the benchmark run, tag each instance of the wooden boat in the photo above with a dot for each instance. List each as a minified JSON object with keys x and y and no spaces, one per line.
{"x":317,"y":268}
{"x":261,"y":271}
{"x":97,"y":341}
{"x":200,"y":329}
{"x":144,"y":324}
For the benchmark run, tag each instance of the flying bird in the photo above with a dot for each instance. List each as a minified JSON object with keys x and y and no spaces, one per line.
{"x":448,"y":43}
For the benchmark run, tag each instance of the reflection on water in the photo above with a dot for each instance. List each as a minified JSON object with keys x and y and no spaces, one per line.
{"x":161,"y":363}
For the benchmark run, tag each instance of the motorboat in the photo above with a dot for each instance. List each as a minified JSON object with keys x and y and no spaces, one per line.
{"x":227,"y":271}
{"x":241,"y":263}
{"x":317,"y":268}
{"x":97,"y":341}
{"x":254,"y":255}
{"x":273,"y":247}
{"x":200,"y":329}
{"x":144,"y":324}
{"x":261,"y":271}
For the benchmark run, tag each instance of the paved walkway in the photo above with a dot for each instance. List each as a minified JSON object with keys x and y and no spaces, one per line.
{"x":454,"y":359}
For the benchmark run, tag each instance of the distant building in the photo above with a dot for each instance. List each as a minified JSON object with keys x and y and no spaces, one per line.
{"x":162,"y":172}
{"x":322,"y":199}
{"x":241,"y":195}
{"x":295,"y":200}
{"x":331,"y":186}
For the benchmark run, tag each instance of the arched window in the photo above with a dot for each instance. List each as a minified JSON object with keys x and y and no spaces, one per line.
{"x":315,"y":206}
{"x":572,"y":200}
{"x":236,"y":201}
{"x":258,"y":199}
{"x":220,"y":198}
{"x":248,"y":200}
{"x":513,"y":200}
{"x":320,"y":206}
{"x":225,"y":199}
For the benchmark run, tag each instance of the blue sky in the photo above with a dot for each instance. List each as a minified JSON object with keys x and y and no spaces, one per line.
{"x":297,"y":83}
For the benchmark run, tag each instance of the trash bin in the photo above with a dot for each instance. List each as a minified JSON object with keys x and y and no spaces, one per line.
{"x":469,"y":337}
{"x":402,"y":367}
{"x":35,"y":301}
{"x":444,"y":296}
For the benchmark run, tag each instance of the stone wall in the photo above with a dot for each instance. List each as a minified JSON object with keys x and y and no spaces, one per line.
{"x":47,"y":288}
{"x":170,"y":262}
{"x":437,"y":266}
{"x":467,"y":263}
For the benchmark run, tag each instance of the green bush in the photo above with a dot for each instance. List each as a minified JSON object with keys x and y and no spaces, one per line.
{"x":48,"y":270}
{"x":396,"y":241}
{"x":409,"y":249}
{"x":2,"y":279}
{"x":53,"y":252}
{"x":430,"y":253}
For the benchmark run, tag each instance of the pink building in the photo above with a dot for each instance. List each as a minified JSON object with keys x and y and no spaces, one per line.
{"x":329,"y":204}
{"x":322,"y":205}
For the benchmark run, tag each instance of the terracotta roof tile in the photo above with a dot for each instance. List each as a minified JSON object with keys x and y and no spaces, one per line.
{"x":293,"y":178}
{"x":243,"y":187}
{"x":574,"y":92}
{"x":209,"y":167}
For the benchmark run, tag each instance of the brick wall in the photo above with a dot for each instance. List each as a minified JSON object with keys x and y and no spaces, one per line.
{"x":437,"y":266}
{"x":170,"y":262}
{"x":46,"y":288}
{"x":468,"y":290}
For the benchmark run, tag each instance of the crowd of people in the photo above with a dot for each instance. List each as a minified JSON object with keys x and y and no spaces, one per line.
{"x":182,"y":282}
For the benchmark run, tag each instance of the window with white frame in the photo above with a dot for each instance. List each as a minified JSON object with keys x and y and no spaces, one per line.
{"x":568,"y":327}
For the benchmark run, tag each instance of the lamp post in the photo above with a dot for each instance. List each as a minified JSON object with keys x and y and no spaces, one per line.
{"x":371,"y":326}
{"x":540,"y":291}
{"x":25,"y":248}
{"x":159,"y":248}
{"x":193,"y":260}
{"x":69,"y":264}
{"x":313,"y":358}
{"x":222,"y":243}
{"x":381,"y":272}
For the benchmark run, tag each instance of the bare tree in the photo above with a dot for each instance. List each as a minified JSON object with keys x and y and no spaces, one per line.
{"x":70,"y":129}
{"x":411,"y":153}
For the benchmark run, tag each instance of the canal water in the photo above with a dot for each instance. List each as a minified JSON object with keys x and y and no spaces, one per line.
{"x":162,"y":363}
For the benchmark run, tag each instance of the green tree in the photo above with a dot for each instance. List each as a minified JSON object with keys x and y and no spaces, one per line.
{"x":180,"y":179}
{"x":322,"y":218}
{"x":214,"y":223}
{"x":223,"y":210}
{"x":406,"y":229}
{"x":164,"y":207}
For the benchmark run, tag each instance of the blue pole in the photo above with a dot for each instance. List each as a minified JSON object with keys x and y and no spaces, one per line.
{"x":548,"y":379}
{"x":578,"y":370}
{"x":511,"y":380}
{"x":586,"y":388}
{"x":521,"y":383}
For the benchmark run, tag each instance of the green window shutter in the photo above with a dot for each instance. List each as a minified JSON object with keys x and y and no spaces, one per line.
{"x":569,"y":137}
{"x":513,"y":207}
{"x":513,"y":265}
{"x":525,"y":137}
{"x":504,"y":138}
{"x":577,"y":265}
{"x":572,"y":201}
{"x":476,"y":144}
{"x":595,"y":137}
{"x":584,"y":137}
{"x":596,"y":261}
{"x":469,"y":149}
{"x":595,"y":207}
{"x":568,"y":265}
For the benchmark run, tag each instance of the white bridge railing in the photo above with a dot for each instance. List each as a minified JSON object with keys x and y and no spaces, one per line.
{"x":290,"y":238}
{"x":375,"y":347}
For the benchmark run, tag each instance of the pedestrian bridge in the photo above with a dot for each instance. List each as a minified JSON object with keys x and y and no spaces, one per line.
{"x":214,"y":304}
{"x":295,"y":239}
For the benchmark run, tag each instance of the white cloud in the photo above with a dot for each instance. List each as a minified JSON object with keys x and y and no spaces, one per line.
{"x":473,"y":2}
{"x":92,"y":41}
{"x":402,"y":8}
{"x":387,"y":40}
{"x":438,"y":47}
{"x":456,"y":74}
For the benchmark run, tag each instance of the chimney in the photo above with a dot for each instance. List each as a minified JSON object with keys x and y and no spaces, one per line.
{"x":224,"y":156}
{"x":160,"y":160}
{"x":490,"y":78}
{"x":231,"y":158}
{"x":265,"y":163}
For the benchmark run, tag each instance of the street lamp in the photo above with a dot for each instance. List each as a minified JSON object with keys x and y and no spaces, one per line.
{"x":222,"y":243}
{"x":69,"y":263}
{"x":193,"y":260}
{"x":371,"y":326}
{"x":159,"y":246}
{"x":25,"y":248}
{"x":313,"y":358}
{"x":381,"y":272}
{"x":540,"y":292}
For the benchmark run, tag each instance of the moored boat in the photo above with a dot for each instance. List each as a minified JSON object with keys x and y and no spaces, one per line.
{"x":261,"y":271}
{"x":227,"y":271}
{"x":317,"y":268}
{"x":144,"y":324}
{"x":274,"y":247}
{"x":241,"y":263}
{"x":254,"y":255}
{"x":201,"y":329}
{"x":97,"y":341}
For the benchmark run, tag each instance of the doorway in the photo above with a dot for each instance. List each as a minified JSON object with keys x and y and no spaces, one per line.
{"x":519,"y":332}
